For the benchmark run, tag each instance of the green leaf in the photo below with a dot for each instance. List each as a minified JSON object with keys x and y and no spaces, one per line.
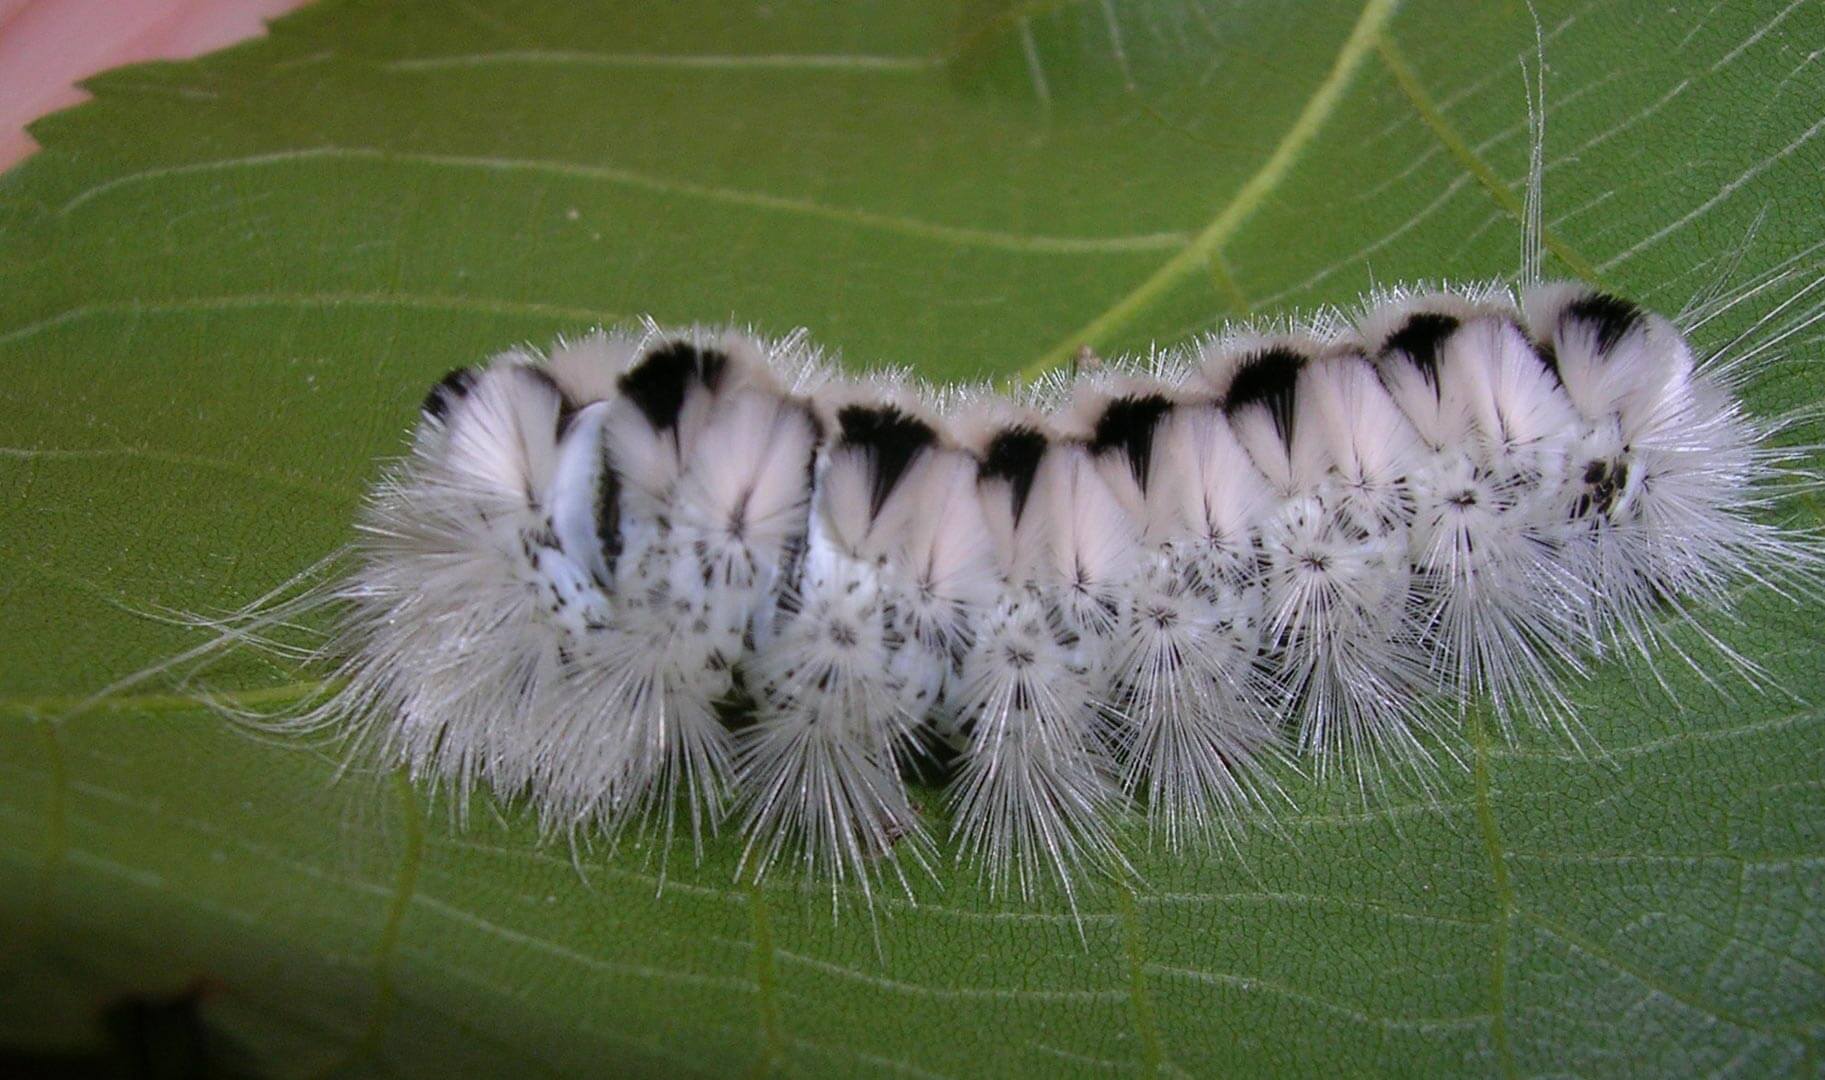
{"x":226,"y":284}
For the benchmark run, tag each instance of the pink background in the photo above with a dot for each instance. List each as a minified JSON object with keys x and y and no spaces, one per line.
{"x":48,"y":45}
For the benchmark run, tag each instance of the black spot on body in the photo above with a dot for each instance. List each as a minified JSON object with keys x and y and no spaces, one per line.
{"x":817,"y":423}
{"x":1604,"y":483}
{"x":1269,"y":380}
{"x":817,"y":439}
{"x":608,"y":516}
{"x":1127,"y":426}
{"x":1013,"y":455}
{"x":1022,"y":699}
{"x":1421,"y":339}
{"x":451,"y":388}
{"x":539,"y":377}
{"x":658,"y":383}
{"x":893,"y":437}
{"x":1549,"y":356}
{"x":792,"y":572}
{"x":1612,"y":316}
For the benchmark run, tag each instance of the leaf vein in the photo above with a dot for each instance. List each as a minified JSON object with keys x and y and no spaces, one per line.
{"x":958,"y":235}
{"x":569,"y":955}
{"x":1392,"y":911}
{"x":861,"y":62}
{"x":386,"y":950}
{"x":1140,"y":1002}
{"x":1669,"y":742}
{"x":772,"y":1045}
{"x":1459,"y":148}
{"x":1195,"y":256}
{"x":943,"y":993}
{"x":1499,"y":990}
{"x":1255,"y":984}
{"x":1728,"y":189}
{"x":203,"y":305}
{"x":1579,"y":943}
{"x":166,"y":457}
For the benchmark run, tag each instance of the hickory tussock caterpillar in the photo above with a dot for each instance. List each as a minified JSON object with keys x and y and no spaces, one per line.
{"x":660,"y":571}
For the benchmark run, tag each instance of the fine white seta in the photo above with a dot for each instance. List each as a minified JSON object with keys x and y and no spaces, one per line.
{"x":673,"y":579}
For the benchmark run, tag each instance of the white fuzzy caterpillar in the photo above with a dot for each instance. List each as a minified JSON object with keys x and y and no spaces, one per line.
{"x":704,"y":572}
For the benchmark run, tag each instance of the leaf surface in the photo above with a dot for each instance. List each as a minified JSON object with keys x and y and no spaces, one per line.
{"x":227,"y":283}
